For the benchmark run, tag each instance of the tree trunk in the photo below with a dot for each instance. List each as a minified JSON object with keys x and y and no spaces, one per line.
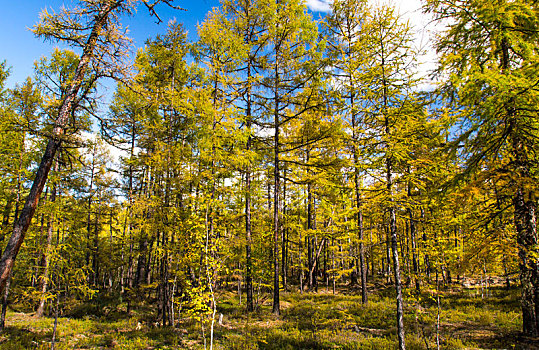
{"x":47,"y":253}
{"x":359,"y":214}
{"x":89,"y":247}
{"x":414,"y":247}
{"x":276,"y":203}
{"x":5,"y":302}
{"x":300,"y":257}
{"x":392,"y":214}
{"x":526,"y":227}
{"x":388,"y":252}
{"x":283,"y":237}
{"x":248,"y":243}
{"x":426,"y":258}
{"x":141,"y":273}
{"x":310,"y":227}
{"x":95,"y":247}
{"x":396,"y":267}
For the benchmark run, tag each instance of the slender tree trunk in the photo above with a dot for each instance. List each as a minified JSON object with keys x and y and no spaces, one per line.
{"x":283,"y":237}
{"x":392,"y":210}
{"x":371,"y":250}
{"x":141,"y":274}
{"x":248,"y":242}
{"x":325,"y":272}
{"x":89,"y":247}
{"x":438,"y":311}
{"x":248,"y":39}
{"x":357,"y":188}
{"x":316,"y":256}
{"x":413,"y":232}
{"x":333,"y":264}
{"x":276,"y":202}
{"x":388,"y":252}
{"x":95,"y":248}
{"x":47,"y":253}
{"x":310,"y":228}
{"x":396,"y":266}
{"x":300,"y":257}
{"x":5,"y":303}
{"x":40,"y":255}
{"x":55,"y":327}
{"x":426,"y":258}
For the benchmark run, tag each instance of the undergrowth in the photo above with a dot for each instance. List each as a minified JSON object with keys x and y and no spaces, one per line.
{"x":307,"y":321}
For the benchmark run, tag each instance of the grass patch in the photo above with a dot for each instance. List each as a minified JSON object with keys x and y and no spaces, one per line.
{"x":307,"y":321}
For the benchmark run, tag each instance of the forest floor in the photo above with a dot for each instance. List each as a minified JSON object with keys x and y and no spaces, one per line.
{"x":308,"y":321}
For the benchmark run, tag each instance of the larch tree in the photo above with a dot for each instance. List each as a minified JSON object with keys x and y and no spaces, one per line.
{"x":167,"y":144}
{"x":122,"y":128}
{"x":292,"y":43}
{"x":387,"y":102}
{"x":489,"y":55}
{"x":247,"y":21}
{"x":344,"y":28}
{"x":219,"y":50}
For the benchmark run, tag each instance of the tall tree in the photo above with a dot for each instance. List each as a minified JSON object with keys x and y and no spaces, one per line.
{"x":247,"y":21}
{"x":292,"y":36}
{"x":490,"y":51}
{"x":387,"y":104}
{"x":345,"y":34}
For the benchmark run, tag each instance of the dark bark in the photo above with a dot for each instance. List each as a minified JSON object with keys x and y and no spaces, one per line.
{"x":95,"y":248}
{"x":415,"y":265}
{"x":45,"y":276}
{"x":525,"y":207}
{"x":248,"y":243}
{"x":333,"y":279}
{"x":21,"y":226}
{"x":310,"y":228}
{"x":300,"y":258}
{"x":141,"y":273}
{"x":5,"y":303}
{"x":89,"y":247}
{"x":316,"y":256}
{"x":276,"y":202}
{"x":426,"y":258}
{"x":283,"y":237}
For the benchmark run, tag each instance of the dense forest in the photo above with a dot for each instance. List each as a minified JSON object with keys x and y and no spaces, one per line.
{"x":281,"y":177}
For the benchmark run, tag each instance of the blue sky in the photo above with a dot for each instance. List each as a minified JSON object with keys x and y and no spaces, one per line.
{"x":20,"y":48}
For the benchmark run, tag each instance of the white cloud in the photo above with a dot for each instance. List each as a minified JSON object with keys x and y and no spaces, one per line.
{"x":424,"y":28}
{"x":319,"y":5}
{"x":420,"y":23}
